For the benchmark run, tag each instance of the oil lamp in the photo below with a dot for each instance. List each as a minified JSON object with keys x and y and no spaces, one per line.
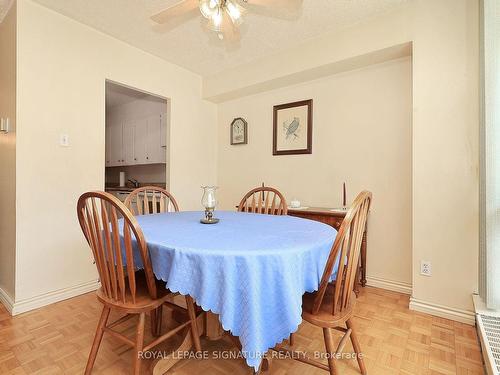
{"x":209,"y":201}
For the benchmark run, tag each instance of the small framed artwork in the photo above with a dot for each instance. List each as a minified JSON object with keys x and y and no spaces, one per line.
{"x":239,"y":131}
{"x":292,"y":128}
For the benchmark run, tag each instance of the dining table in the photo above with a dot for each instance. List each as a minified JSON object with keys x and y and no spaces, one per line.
{"x":249,"y":271}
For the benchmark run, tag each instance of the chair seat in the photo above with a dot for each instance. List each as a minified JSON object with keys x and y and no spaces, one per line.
{"x":143,"y":301}
{"x":324,"y":318}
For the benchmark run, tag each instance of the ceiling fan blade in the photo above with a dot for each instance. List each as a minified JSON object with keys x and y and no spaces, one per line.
{"x":278,"y":3}
{"x":230,"y":31}
{"x":282,"y":9}
{"x":183,"y":9}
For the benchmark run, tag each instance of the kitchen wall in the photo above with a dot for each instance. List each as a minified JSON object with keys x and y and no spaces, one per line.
{"x":361,"y":135}
{"x":62,"y":69}
{"x":137,"y":109}
{"x":8,"y":156}
{"x":444,"y":35}
{"x":148,"y":173}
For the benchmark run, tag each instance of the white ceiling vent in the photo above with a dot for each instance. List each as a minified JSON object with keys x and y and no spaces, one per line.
{"x":489,"y":327}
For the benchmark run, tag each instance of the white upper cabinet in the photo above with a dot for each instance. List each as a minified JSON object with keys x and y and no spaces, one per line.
{"x":128,"y":143}
{"x":114,"y":143}
{"x":140,"y":141}
{"x":154,"y":140}
{"x":163,"y":133}
{"x":108,"y":148}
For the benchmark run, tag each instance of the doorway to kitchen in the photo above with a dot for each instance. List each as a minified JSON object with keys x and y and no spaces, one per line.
{"x":137,"y":139}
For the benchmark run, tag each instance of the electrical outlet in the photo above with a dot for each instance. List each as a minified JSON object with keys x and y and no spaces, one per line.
{"x":425,"y":268}
{"x":64,"y":140}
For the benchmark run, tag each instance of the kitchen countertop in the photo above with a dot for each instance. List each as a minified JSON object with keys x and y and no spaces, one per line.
{"x":128,"y":188}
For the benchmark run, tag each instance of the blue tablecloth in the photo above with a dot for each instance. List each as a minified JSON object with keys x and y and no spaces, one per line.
{"x":250,"y":269}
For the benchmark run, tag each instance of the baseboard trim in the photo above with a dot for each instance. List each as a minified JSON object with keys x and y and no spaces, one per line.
{"x":459,"y":315}
{"x":33,"y":303}
{"x":395,"y":286}
{"x":6,"y":300}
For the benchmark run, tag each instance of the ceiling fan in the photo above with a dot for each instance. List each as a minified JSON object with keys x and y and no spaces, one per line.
{"x":224,"y":16}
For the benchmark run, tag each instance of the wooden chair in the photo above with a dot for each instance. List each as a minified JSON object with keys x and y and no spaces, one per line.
{"x":150,"y":200}
{"x":332,"y":306}
{"x":264,"y":200}
{"x":123,"y":288}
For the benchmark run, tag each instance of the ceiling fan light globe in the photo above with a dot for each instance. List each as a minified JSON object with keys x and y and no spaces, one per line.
{"x":208,"y":8}
{"x":216,"y":21}
{"x":233,"y":11}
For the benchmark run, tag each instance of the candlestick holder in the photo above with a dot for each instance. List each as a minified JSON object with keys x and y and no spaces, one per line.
{"x":344,"y":197}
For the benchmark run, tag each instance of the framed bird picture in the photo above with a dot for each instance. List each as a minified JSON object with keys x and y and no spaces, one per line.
{"x":292,"y":128}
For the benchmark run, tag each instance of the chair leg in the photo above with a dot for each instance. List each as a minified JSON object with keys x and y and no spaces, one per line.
{"x":139,"y":343}
{"x":97,"y":339}
{"x":330,"y":350}
{"x":194,"y":327}
{"x":357,"y":347}
{"x":156,"y":321}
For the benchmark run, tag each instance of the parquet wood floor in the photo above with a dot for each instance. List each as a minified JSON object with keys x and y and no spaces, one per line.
{"x":56,"y":340}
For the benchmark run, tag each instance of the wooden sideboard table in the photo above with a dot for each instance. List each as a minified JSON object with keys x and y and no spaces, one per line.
{"x":333,"y":217}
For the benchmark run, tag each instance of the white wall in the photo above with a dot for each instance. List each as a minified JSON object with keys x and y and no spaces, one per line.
{"x":445,"y":123}
{"x":62,"y":68}
{"x":8,"y":154}
{"x":361,"y":135}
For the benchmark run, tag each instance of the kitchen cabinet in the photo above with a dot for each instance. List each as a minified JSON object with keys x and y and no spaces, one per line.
{"x":128,"y":135}
{"x":108,"y":148}
{"x":140,"y":142}
{"x":153,"y":140}
{"x":135,"y":142}
{"x":163,"y":132}
{"x":114,"y":143}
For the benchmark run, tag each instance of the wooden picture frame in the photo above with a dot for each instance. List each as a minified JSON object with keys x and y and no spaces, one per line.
{"x":292,"y":128}
{"x":239,"y":131}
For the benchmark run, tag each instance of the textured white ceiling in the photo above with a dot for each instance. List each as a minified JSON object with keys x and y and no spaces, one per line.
{"x":190,"y":45}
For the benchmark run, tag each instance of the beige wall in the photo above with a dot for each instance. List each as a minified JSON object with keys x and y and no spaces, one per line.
{"x":361,"y":135}
{"x":8,"y":153}
{"x":445,"y":123}
{"x":446,"y":151}
{"x":62,"y":68}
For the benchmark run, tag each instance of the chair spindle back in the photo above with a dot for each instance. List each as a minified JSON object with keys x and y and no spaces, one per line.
{"x":264,"y":200}
{"x":111,"y":231}
{"x":346,"y":251}
{"x":150,"y":200}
